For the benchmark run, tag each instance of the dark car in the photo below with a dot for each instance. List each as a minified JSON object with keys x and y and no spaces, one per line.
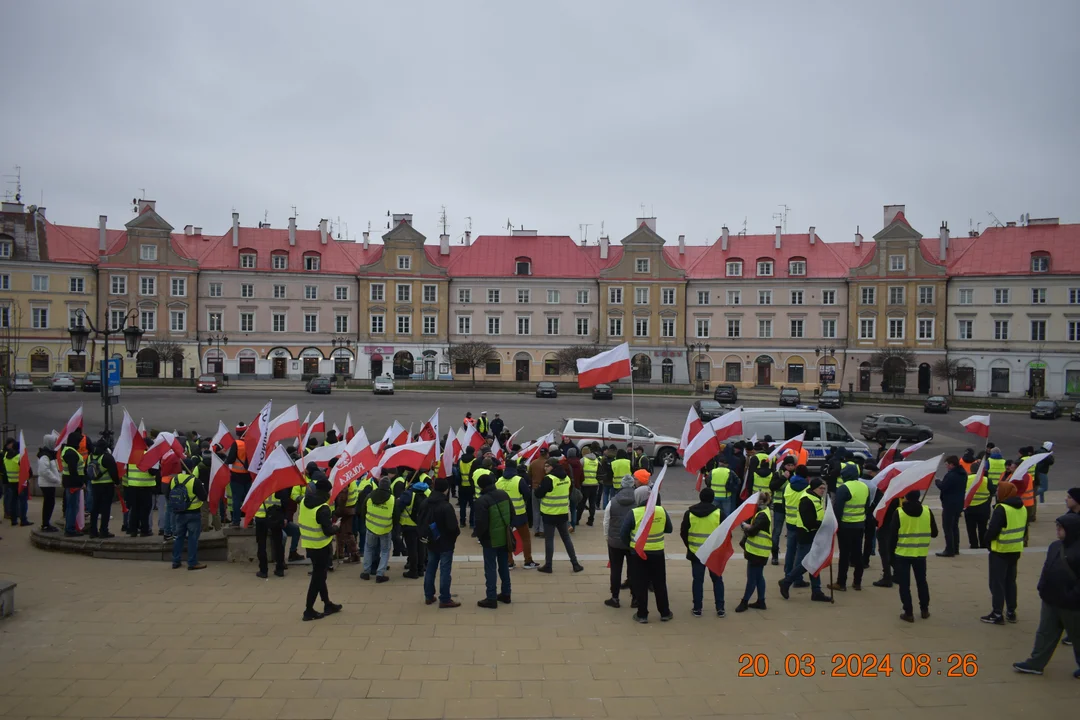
{"x":936,"y":404}
{"x":789,"y":397}
{"x":91,"y":382}
{"x":319,"y":385}
{"x":546,"y":389}
{"x":710,"y":409}
{"x":206,"y":383}
{"x":831,"y":399}
{"x":725,"y":393}
{"x":602,"y":392}
{"x":1048,"y":409}
{"x":882,"y":427}
{"x":1075,"y":414}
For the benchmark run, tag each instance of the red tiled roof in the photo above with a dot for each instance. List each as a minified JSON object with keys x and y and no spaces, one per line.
{"x":68,"y":243}
{"x":335,"y":259}
{"x":614,"y":256}
{"x":552,"y":256}
{"x":686,"y":260}
{"x":1008,"y":250}
{"x":821,"y":260}
{"x":900,"y":218}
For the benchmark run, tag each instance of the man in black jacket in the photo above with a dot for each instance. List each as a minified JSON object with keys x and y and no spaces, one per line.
{"x":188,"y":522}
{"x":74,"y":478}
{"x":317,"y":531}
{"x":438,"y":528}
{"x":1005,"y":552}
{"x":953,"y":487}
{"x":494,"y":520}
{"x":810,"y":516}
{"x":103,"y":489}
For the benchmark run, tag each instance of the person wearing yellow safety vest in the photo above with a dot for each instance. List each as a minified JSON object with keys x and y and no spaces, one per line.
{"x":317,"y":531}
{"x":910,"y":529}
{"x":554,"y":495}
{"x":590,"y":483}
{"x":652,"y":571}
{"x":517,"y":488}
{"x":346,"y":548}
{"x":186,"y":485}
{"x":73,"y":468}
{"x":406,"y":513}
{"x":977,"y":514}
{"x":852,"y":498}
{"x":9,"y":474}
{"x":719,"y":479}
{"x":796,"y":485}
{"x":1005,"y":539}
{"x":811,"y":510}
{"x":482,"y":425}
{"x":102,"y":488}
{"x":777,"y":486}
{"x":697,"y":524}
{"x":270,"y":523}
{"x":378,"y":522}
{"x":466,"y":488}
{"x":756,"y":550}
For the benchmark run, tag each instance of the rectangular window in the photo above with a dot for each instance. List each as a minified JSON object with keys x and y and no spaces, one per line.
{"x":404,"y":262}
{"x":341,"y":324}
{"x":926,"y":294}
{"x":523,"y":325}
{"x":311,"y":322}
{"x":641,"y":327}
{"x":796,"y":297}
{"x":734,"y":297}
{"x":5,"y":310}
{"x":494,"y":326}
{"x":5,"y":282}
{"x":39,"y":318}
{"x":582,"y":326}
{"x":764,"y":268}
{"x":796,"y":328}
{"x":213,"y":321}
{"x":796,"y":267}
{"x":118,"y":317}
{"x":247,"y":290}
{"x":553,"y":326}
{"x":464,"y":296}
{"x":148,"y":252}
{"x":1074,"y":296}
{"x":75,"y":318}
{"x":999,"y":380}
{"x":279,"y":292}
{"x":734,"y":328}
{"x":311,"y":292}
{"x":552,"y":296}
{"x":551,"y":366}
{"x":178,"y":287}
{"x":896,"y":328}
{"x":493,"y":367}
{"x":431,"y":293}
{"x":278,"y":322}
{"x":641,"y":296}
{"x":896,"y":295}
{"x":341,"y":292}
{"x":428,"y":328}
{"x":868,"y":296}
{"x":964,"y":329}
{"x":494,"y":296}
{"x":733,"y":268}
{"x":1001,"y":329}
{"x":966,"y":296}
{"x":702,"y":328}
{"x":247,"y":322}
{"x":582,"y":297}
{"x":764,"y":328}
{"x":828,"y":329}
{"x":214,"y":289}
{"x":404,"y":292}
{"x":764,"y":297}
{"x":404,"y":324}
{"x":5,"y":249}
{"x":118,"y":285}
{"x":667,"y":327}
{"x":667,"y":296}
{"x":147,"y":286}
{"x":641,"y":265}
{"x":311,"y":263}
{"x":1040,"y":264}
{"x":1073,"y":334}
{"x":614,"y":296}
{"x":464,"y":325}
{"x":867,"y":328}
{"x":148,"y":320}
{"x":897,"y":262}
{"x":280,"y":262}
{"x":75,"y":285}
{"x":828,"y":297}
{"x":965,"y":379}
{"x":377,"y":293}
{"x":247,"y":261}
{"x":177,"y":320}
{"x":1038,"y":331}
{"x":926,"y":329}
{"x":377,"y":324}
{"x":523,"y":297}
{"x":1001,"y":296}
{"x":615,"y":327}
{"x":1038,"y":296}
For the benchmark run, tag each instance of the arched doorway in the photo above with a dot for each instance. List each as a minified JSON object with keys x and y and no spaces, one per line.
{"x":403,"y":364}
{"x":864,"y":377}
{"x":894,"y":375}
{"x":279,"y":362}
{"x":522,"y":364}
{"x":764,"y":365}
{"x":147,"y":363}
{"x":310,"y":358}
{"x":642,"y":368}
{"x":215,"y":362}
{"x":376,"y":365}
{"x":343,"y":362}
{"x":667,"y":371}
{"x":924,"y":379}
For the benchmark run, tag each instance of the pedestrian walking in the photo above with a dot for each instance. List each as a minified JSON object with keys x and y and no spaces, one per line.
{"x":910,"y":529}
{"x":652,"y":571}
{"x":852,"y":498}
{"x":1005,"y":540}
{"x":621,"y":505}
{"x":317,"y":532}
{"x":378,"y":522}
{"x":554,"y":495}
{"x":756,"y":552}
{"x":439,"y":530}
{"x":494,"y":530}
{"x":698,"y":523}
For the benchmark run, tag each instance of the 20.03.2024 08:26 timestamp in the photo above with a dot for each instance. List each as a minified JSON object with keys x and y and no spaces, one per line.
{"x":862,"y":665}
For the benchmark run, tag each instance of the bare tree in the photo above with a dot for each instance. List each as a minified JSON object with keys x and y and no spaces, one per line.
{"x":167,"y":351}
{"x":886,"y":361}
{"x":947,"y":370}
{"x":568,"y":357}
{"x":10,"y":335}
{"x":474,"y":354}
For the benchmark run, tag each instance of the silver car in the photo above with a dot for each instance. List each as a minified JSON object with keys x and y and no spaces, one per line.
{"x":21,"y":382}
{"x":382,"y":385}
{"x":62,"y":381}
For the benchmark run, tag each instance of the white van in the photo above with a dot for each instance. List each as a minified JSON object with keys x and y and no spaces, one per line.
{"x":823,"y":431}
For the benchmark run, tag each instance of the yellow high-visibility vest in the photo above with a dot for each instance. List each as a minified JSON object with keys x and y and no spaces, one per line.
{"x":913,"y":539}
{"x":139,"y":478}
{"x":512,"y":487}
{"x":589,"y":466}
{"x":379,"y":519}
{"x":718,"y":480}
{"x":655,"y":541}
{"x":791,"y":504}
{"x":406,"y":514}
{"x":311,"y":533}
{"x":760,"y":544}
{"x":820,"y":509}
{"x":700,"y":529}
{"x":855,"y":508}
{"x":1011,"y":537}
{"x":982,"y":493}
{"x":556,"y":502}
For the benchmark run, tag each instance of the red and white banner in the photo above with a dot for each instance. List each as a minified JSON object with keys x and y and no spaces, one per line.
{"x":497,"y":451}
{"x":430,"y":429}
{"x":728,"y":425}
{"x":335,"y":430}
{"x":222,"y":437}
{"x":608,"y":366}
{"x":691,"y":428}
{"x":276,"y":473}
{"x":890,"y":455}
{"x":472,"y":439}
{"x":318,"y":426}
{"x":219,"y":481}
{"x":300,"y":438}
{"x":284,"y":426}
{"x":1027,"y":464}
{"x":531,"y":451}
{"x":130,"y":446}
{"x":884,"y":476}
{"x":910,"y":449}
{"x":142,"y":430}
{"x":449,"y":455}
{"x":702,"y":448}
{"x":80,"y":514}
{"x":74,"y":422}
{"x":350,"y":431}
{"x":256,"y":440}
{"x":917,"y":477}
{"x":24,"y":463}
{"x":970,"y":494}
{"x":415,"y":455}
{"x":717,"y":549}
{"x":641,"y":537}
{"x":788,"y":447}
{"x":164,"y":443}
{"x":978,"y":425}
{"x":357,"y":458}
{"x":395,"y":434}
{"x":821,"y":550}
{"x":321,"y":456}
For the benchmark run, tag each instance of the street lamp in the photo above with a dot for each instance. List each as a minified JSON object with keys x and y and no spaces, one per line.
{"x":695,"y":349}
{"x":79,"y":336}
{"x":827,"y":351}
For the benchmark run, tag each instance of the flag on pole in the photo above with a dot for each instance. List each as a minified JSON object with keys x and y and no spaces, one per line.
{"x":356,"y":459}
{"x":396,"y":434}
{"x":977,"y":424}
{"x":222,"y":437}
{"x":130,"y":446}
{"x":321,"y":456}
{"x":284,"y":426}
{"x":645,"y":526}
{"x":1027,"y":464}
{"x":73,"y":423}
{"x":142,"y":430}
{"x":717,"y":549}
{"x":302,"y":435}
{"x":318,"y":426}
{"x":884,"y":476}
{"x":821,"y":550}
{"x":608,"y":366}
{"x":890,"y":455}
{"x":430,"y":429}
{"x":472,"y":438}
{"x":219,"y":481}
{"x":917,"y":477}
{"x":415,"y":455}
{"x":703,"y":447}
{"x":350,"y":431}
{"x":532,"y":450}
{"x":691,"y":428}
{"x":970,"y":494}
{"x":449,"y":455}
{"x":24,"y":463}
{"x":256,"y":439}
{"x":276,"y":473}
{"x":788,"y":447}
{"x":518,"y":548}
{"x":910,"y":449}
{"x":165,"y":443}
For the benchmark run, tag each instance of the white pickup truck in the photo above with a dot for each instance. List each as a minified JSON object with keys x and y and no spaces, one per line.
{"x":621,"y":432}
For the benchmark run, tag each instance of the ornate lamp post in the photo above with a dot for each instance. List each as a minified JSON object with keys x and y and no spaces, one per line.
{"x":217,"y":341}
{"x":826,"y":351}
{"x":694,"y":349}
{"x":337,"y":342}
{"x":79,"y":336}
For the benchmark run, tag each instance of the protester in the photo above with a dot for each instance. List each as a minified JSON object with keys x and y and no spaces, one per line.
{"x":15,"y":502}
{"x":439,"y":530}
{"x":590,"y":484}
{"x":187,"y":493}
{"x":516,"y":488}
{"x":851,"y":500}
{"x":698,"y":523}
{"x":270,"y":524}
{"x":378,"y":521}
{"x":74,"y":478}
{"x":910,"y":529}
{"x":104,"y":480}
{"x":239,"y":477}
{"x":405,"y":514}
{"x":652,"y":571}
{"x":777,"y":489}
{"x":494,"y":530}
{"x":317,"y":532}
{"x":797,"y":485}
{"x":554,"y":495}
{"x":756,"y":552}
{"x":977,"y":513}
{"x":811,"y":510}
{"x":1005,"y":539}
{"x":953,"y":486}
{"x":605,"y":476}
{"x":621,"y":505}
{"x":48,"y":480}
{"x":466,"y":493}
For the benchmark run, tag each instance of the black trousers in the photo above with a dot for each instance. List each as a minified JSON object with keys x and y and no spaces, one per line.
{"x":904,"y":567}
{"x":976,"y":518}
{"x":885,"y":553}
{"x":397,"y":541}
{"x":413,"y":561}
{"x":850,"y":539}
{"x":1003,"y":581}
{"x":869,"y":536}
{"x":617,"y":557}
{"x":950,"y":522}
{"x":273,"y":528}
{"x":650,"y":571}
{"x":143,"y":505}
{"x":320,"y":565}
{"x":590,"y":498}
{"x":465,"y":503}
{"x":48,"y":505}
{"x":99,"y":516}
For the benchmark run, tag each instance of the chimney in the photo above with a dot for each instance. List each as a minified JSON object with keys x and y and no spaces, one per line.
{"x":189,"y":230}
{"x":236,"y":229}
{"x":144,"y":204}
{"x":603,"y":247}
{"x":444,"y":244}
{"x":777,"y":243}
{"x":402,"y":218}
{"x":468,"y":238}
{"x":647,"y":222}
{"x":858,"y":237}
{"x":723,"y":238}
{"x":682,"y":244}
{"x":1010,"y":223}
{"x":943,"y":242}
{"x":813,"y":234}
{"x":891,"y":211}
{"x":367,"y":236}
{"x":323,"y":227}
{"x":102,"y":247}
{"x":197,"y":230}
{"x":522,"y":232}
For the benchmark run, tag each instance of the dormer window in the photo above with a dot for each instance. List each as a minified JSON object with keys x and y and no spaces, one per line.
{"x":796,"y":267}
{"x":764,"y":268}
{"x":404,"y":262}
{"x":311,"y":263}
{"x":5,"y":248}
{"x":247,"y":261}
{"x":734,"y":268}
{"x":641,"y":265}
{"x":1040,"y":263}
{"x":522,"y":266}
{"x":280,"y":261}
{"x":148,"y":252}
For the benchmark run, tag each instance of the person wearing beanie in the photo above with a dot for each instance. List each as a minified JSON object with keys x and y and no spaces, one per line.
{"x":438,"y":528}
{"x":1005,"y":540}
{"x":406,"y":514}
{"x":554,"y":495}
{"x":793,"y":492}
{"x":619,"y":506}
{"x":756,"y":552}
{"x":698,"y":523}
{"x":909,"y":530}
{"x":852,"y":498}
{"x":378,"y":522}
{"x":494,"y":530}
{"x":649,"y":572}
{"x":1072,"y":500}
{"x":953,"y":487}
{"x":977,"y":514}
{"x":1042,"y":471}
{"x":317,"y":531}
{"x":517,"y":489}
{"x":187,"y":493}
{"x":810,"y":511}
{"x":237,"y":458}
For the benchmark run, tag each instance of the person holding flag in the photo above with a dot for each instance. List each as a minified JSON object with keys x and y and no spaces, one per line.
{"x":74,"y":478}
{"x":756,"y":552}
{"x":810,"y":512}
{"x":317,"y":531}
{"x":103,"y":487}
{"x":908,"y":533}
{"x":953,"y":487}
{"x":852,"y":498}
{"x":405,"y":512}
{"x":517,"y":488}
{"x":977,"y":504}
{"x":649,"y":567}
{"x":698,"y":524}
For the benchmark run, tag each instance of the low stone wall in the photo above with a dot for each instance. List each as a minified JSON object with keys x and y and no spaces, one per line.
{"x":212,"y":546}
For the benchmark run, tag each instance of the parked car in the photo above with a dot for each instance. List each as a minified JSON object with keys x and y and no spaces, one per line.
{"x":726,"y":393}
{"x":789,"y":397}
{"x":602,"y":392}
{"x":382,"y":385}
{"x":1049,"y":409}
{"x":1075,"y":415}
{"x":21,"y":382}
{"x":882,"y":427}
{"x":621,"y":432}
{"x":206,"y":383}
{"x":936,"y":404}
{"x":710,"y":409}
{"x":62,"y":381}
{"x":91,"y":382}
{"x":831,"y":399}
{"x":319,"y":385}
{"x":546,"y":389}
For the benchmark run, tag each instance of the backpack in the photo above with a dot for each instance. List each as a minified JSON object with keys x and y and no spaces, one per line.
{"x":179,"y":497}
{"x":93,"y":469}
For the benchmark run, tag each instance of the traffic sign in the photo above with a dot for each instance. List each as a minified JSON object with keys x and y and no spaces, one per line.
{"x":113,"y":373}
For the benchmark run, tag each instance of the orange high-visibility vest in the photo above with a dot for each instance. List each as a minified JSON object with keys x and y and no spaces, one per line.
{"x":966,"y":466}
{"x":1028,"y":496}
{"x":239,"y":467}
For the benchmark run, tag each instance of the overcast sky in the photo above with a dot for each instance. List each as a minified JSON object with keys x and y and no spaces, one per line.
{"x":548,"y":115}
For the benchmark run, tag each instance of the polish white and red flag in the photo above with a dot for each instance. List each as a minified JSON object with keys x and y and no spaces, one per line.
{"x":415,"y":455}
{"x":256,"y":439}
{"x":74,"y":422}
{"x":496,"y":450}
{"x":350,"y":431}
{"x":301,"y":437}
{"x":319,"y":426}
{"x":321,"y":456}
{"x":142,"y":430}
{"x":717,"y":549}
{"x":284,"y":426}
{"x":24,"y":463}
{"x":884,"y":476}
{"x":645,"y":526}
{"x":531,"y":451}
{"x":357,"y":458}
{"x":219,"y":481}
{"x":430,"y":429}
{"x":821,"y":550}
{"x":307,"y":429}
{"x":396,"y":434}
{"x":890,"y":455}
{"x":917,"y":477}
{"x":608,"y":366}
{"x":450,"y":453}
{"x":706,"y":444}
{"x":1025,"y":466}
{"x":335,"y":430}
{"x":691,"y":428}
{"x":164,"y":443}
{"x":788,"y":447}
{"x":910,"y":449}
{"x":130,"y":446}
{"x":276,"y":473}
{"x":472,"y":438}
{"x":222,"y":438}
{"x":978,"y":425}
{"x":970,"y":494}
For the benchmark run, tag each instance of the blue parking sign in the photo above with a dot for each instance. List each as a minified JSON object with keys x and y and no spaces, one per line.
{"x":113,"y":372}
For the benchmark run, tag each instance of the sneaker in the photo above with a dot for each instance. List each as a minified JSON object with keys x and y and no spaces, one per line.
{"x":169,"y":537}
{"x":382,"y":578}
{"x":410,"y":575}
{"x":907,"y":617}
{"x":312,"y":615}
{"x":531,"y":565}
{"x":776,"y":561}
{"x":571,"y":529}
{"x":883,"y":583}
{"x":924,"y":614}
{"x":742,"y":607}
{"x":331,"y":608}
{"x":504,"y":599}
{"x":669,"y":616}
{"x":260,"y":574}
{"x":612,"y":602}
{"x":448,"y":605}
{"x":545,"y":569}
{"x":721,"y":613}
{"x":1067,"y":641}
{"x":1025,"y":668}
{"x":633,"y":603}
{"x":1011,"y":616}
{"x":993,"y":619}
{"x":642,"y":620}
{"x":696,"y":612}
{"x":837,"y":586}
{"x":759,"y":605}
{"x":365,"y":576}
{"x":785,"y":590}
{"x":820,"y":597}
{"x":197,"y":566}
{"x":489,"y":603}
{"x":578,"y":568}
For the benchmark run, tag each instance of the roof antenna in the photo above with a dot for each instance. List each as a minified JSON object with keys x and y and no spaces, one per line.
{"x":584,"y":228}
{"x":442,"y":219}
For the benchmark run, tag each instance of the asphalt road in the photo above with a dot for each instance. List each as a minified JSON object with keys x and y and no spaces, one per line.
{"x":38,"y":412}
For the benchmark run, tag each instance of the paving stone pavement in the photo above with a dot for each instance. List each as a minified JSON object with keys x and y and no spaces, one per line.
{"x":125,"y":639}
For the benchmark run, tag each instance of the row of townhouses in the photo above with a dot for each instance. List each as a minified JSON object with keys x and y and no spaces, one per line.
{"x":753,"y":310}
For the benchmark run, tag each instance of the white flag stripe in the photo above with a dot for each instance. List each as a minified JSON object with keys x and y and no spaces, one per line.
{"x":1027,"y":464}
{"x":821,"y":549}
{"x":722,"y":533}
